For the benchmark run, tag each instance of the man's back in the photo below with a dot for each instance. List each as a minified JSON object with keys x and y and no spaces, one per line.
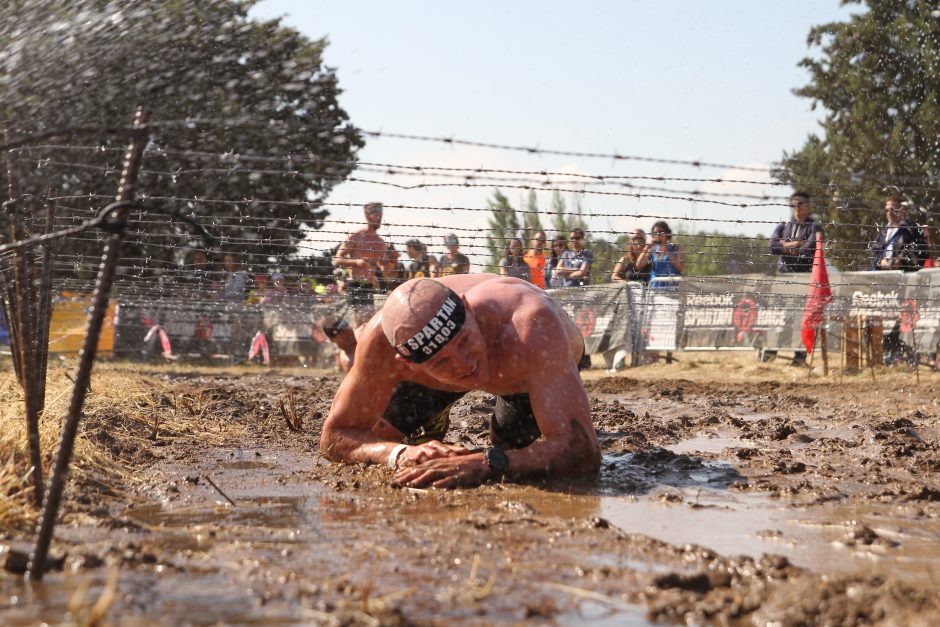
{"x":515,"y":318}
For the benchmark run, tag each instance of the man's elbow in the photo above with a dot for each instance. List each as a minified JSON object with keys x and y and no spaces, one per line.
{"x":590,"y":460}
{"x":328,"y":446}
{"x":585,"y":453}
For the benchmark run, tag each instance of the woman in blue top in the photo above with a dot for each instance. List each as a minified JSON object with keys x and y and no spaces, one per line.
{"x":665,"y":259}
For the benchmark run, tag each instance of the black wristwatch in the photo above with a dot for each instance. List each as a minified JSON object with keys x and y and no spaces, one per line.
{"x":497,"y":460}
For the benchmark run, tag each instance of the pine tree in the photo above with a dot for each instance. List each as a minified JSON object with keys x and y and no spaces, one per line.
{"x":277,"y":130}
{"x":877,"y":75}
{"x":559,"y":217}
{"x":577,"y":213}
{"x":531,"y":221}
{"x":503,"y":226}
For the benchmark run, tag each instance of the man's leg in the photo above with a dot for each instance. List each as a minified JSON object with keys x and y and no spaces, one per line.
{"x":361,"y":301}
{"x":513,"y":423}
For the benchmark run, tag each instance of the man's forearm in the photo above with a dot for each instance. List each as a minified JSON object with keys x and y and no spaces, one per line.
{"x":564,"y":455}
{"x":355,"y":445}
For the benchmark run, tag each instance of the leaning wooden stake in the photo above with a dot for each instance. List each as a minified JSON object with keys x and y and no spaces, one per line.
{"x":117,"y":221}
{"x":812,"y":353}
{"x":823,"y":336}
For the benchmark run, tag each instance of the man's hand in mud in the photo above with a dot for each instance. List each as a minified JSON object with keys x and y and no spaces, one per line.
{"x":416,"y":455}
{"x":461,"y":471}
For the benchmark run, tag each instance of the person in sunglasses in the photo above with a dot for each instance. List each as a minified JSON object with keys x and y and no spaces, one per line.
{"x":574,"y":269}
{"x":627,"y":267}
{"x":794,"y":242}
{"x":664,"y":259}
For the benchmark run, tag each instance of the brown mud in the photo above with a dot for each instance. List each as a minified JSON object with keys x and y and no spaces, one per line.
{"x":728,"y":494}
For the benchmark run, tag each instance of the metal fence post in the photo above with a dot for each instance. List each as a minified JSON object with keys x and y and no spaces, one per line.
{"x":111,"y":254}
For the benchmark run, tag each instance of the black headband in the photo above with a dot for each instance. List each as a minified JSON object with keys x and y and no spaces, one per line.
{"x":334,"y":329}
{"x":435,"y":335}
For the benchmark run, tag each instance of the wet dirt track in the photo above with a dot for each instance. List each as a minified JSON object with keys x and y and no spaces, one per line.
{"x":731,"y":501}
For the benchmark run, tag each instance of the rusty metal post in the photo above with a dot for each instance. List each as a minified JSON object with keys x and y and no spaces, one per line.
{"x":8,"y":288}
{"x":25,"y":347}
{"x":102,"y":295}
{"x":9,"y":307}
{"x":44,"y":315}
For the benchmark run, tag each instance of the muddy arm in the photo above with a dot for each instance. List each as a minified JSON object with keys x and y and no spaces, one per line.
{"x":568,"y":445}
{"x":354,"y":430}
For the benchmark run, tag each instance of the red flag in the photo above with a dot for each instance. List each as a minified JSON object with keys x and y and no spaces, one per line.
{"x":818,"y":297}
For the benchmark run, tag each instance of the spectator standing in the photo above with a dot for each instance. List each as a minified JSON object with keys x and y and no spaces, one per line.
{"x":900,"y":245}
{"x":795,"y":241}
{"x":198,"y":281}
{"x":575,"y":269}
{"x":627,"y":267}
{"x":664,"y":259}
{"x":361,"y":256}
{"x":559,"y":255}
{"x":421,"y":264}
{"x":512,"y":264}
{"x":393,"y":272}
{"x":277,"y":293}
{"x":234,"y":286}
{"x":453,"y":261}
{"x":535,"y":259}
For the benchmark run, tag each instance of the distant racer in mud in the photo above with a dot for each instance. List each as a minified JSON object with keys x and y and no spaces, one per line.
{"x":437,"y":339}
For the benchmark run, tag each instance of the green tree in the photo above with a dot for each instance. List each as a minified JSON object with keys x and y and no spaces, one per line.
{"x":718,"y":253}
{"x":559,"y":215}
{"x":877,"y":75}
{"x":576,"y":219}
{"x":503,"y":226}
{"x":530,"y":218}
{"x":606,"y":254}
{"x":244,"y":114}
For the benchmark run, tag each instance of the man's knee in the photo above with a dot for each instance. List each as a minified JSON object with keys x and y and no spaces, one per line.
{"x":513,"y":424}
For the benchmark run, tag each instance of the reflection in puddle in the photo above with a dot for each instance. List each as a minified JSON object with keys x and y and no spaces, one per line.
{"x":264,"y":511}
{"x":812,"y":537}
{"x":245,"y":465}
{"x":713,"y":442}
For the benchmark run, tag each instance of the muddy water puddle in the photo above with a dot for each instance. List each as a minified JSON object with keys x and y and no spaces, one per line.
{"x":668,"y":494}
{"x":296,"y":529}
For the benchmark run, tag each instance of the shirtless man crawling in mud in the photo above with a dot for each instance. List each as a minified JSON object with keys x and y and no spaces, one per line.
{"x":437,"y":339}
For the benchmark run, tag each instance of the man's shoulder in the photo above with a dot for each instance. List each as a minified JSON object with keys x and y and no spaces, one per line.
{"x":372,"y":341}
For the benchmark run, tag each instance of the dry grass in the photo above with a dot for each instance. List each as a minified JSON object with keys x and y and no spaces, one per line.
{"x":125,"y":412}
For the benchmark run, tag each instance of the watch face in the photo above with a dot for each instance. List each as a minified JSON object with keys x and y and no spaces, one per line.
{"x":497,"y":460}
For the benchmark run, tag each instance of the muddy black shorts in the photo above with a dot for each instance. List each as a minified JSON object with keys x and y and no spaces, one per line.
{"x":423,"y":414}
{"x":359,"y":295}
{"x":420,"y":412}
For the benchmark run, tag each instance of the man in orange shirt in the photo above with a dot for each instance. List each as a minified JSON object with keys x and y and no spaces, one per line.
{"x":535,"y":258}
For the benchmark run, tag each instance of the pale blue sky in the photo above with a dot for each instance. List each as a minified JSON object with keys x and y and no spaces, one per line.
{"x":708,"y":80}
